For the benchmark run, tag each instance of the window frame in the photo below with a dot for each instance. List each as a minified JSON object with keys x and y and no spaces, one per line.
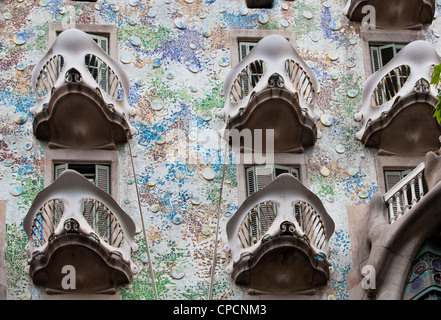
{"x":274,"y":167}
{"x":297,"y":160}
{"x":98,"y":157}
{"x":236,"y":36}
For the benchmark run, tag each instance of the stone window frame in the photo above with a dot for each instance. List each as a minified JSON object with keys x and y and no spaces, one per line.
{"x":105,"y":30}
{"x":383,"y":162}
{"x":104,"y":157}
{"x":381,"y":37}
{"x":298,"y":160}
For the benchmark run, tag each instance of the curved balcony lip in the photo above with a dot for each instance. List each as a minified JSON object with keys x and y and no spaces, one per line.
{"x":107,"y":271}
{"x":279,"y":257}
{"x":287,"y":190}
{"x":353,"y":10}
{"x":71,"y":187}
{"x":274,"y":51}
{"x":303,"y":135}
{"x":110,"y":123}
{"x":419,"y":56}
{"x":73,"y":45}
{"x":414,"y":139}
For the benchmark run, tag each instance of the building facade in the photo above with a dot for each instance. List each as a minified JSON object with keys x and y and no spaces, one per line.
{"x":219,"y":149}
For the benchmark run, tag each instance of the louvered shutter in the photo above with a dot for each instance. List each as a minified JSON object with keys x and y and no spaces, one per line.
{"x":264,"y":175}
{"x":98,"y":68}
{"x":295,"y":172}
{"x":251,"y":188}
{"x":375,"y":59}
{"x":251,"y":184}
{"x":391,"y":179}
{"x":59,"y":205}
{"x":102,"y":177}
{"x":247,"y":77}
{"x":102,"y":217}
{"x":59,"y":169}
{"x":278,"y":170}
{"x":376,"y":65}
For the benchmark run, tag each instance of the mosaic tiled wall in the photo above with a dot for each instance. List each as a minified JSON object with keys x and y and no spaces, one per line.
{"x":176,"y":53}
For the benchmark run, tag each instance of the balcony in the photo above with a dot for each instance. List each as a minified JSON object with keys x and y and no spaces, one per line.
{"x":395,"y":227}
{"x":393,"y":14}
{"x":403,"y":196}
{"x":82,"y":96}
{"x":273,"y":88}
{"x":74,"y":223}
{"x":398,"y":104}
{"x":278,"y":240}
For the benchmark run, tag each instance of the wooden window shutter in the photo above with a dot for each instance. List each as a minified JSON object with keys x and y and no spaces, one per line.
{"x":102,"y":177}
{"x":59,"y":169}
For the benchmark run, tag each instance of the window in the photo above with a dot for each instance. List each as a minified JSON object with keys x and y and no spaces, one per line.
{"x":99,"y":175}
{"x":379,"y":38}
{"x":380,"y":56}
{"x":86,"y":162}
{"x":98,"y":31}
{"x":252,"y":37}
{"x":251,"y":75}
{"x":97,"y":67}
{"x":258,"y":177}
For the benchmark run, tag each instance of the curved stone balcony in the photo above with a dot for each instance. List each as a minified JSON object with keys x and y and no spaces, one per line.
{"x":82,"y":95}
{"x":278,"y":239}
{"x":72,"y":222}
{"x":398,"y":104}
{"x":273,"y":88}
{"x":394,"y":227}
{"x":393,"y":14}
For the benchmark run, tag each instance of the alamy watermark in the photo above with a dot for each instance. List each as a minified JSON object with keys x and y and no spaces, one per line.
{"x":209,"y":146}
{"x":68,"y":282}
{"x":368,"y":281}
{"x":369,"y":20}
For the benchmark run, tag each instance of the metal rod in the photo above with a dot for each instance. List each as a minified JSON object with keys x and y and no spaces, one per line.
{"x":142,"y":221}
{"x":213,"y":266}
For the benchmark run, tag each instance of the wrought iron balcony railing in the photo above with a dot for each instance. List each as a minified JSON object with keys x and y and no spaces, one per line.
{"x":399,"y":96}
{"x":72,"y":207}
{"x":76,"y":65}
{"x":283,"y":217}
